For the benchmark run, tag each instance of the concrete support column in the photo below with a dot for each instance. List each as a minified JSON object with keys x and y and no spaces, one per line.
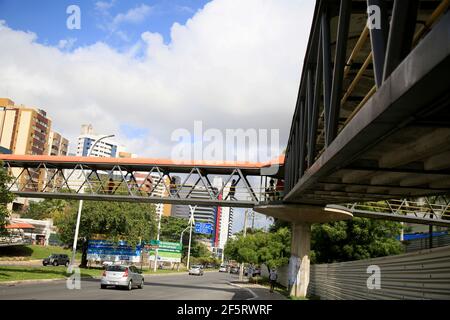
{"x":299,"y":261}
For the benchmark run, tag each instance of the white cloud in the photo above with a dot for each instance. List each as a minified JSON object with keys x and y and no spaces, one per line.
{"x":134,"y":15}
{"x":235,"y":64}
{"x":104,"y":6}
{"x":66,"y":44}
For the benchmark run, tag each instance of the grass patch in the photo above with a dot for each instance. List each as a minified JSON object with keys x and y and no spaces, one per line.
{"x":17,"y":273}
{"x":32,"y":252}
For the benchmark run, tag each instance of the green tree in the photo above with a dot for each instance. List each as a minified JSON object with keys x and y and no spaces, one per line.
{"x":131,"y":222}
{"x":269,"y":248}
{"x":359,"y":238}
{"x":5,"y":197}
{"x":47,"y":208}
{"x":275,"y":250}
{"x":171,"y":228}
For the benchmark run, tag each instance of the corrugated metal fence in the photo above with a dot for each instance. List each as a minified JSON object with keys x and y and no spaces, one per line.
{"x":418,"y":275}
{"x":421,"y":244}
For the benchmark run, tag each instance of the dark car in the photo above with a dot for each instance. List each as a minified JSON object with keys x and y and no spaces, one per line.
{"x":234,"y":270}
{"x":56,"y":260}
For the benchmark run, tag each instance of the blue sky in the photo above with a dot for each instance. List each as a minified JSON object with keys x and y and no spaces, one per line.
{"x":119,"y":23}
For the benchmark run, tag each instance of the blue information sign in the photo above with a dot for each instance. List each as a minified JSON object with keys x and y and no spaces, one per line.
{"x":202,"y":227}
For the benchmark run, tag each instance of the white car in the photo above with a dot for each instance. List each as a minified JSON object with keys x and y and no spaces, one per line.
{"x":122,"y":276}
{"x":196,"y":270}
{"x":223,"y":269}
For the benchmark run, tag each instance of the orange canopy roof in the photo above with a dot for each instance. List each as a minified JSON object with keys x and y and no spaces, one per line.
{"x":19,"y":225}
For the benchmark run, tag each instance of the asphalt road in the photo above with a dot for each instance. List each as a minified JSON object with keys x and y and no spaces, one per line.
{"x":212,"y":285}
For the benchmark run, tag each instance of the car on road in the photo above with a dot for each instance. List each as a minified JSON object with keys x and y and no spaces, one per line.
{"x":223,"y":269}
{"x":56,"y":260}
{"x":196,"y":270}
{"x":122,"y":276}
{"x":234,"y":270}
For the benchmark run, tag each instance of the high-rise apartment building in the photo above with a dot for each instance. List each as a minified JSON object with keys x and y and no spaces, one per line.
{"x":27,"y":131}
{"x":57,"y":144}
{"x":23,"y":130}
{"x":106,"y":148}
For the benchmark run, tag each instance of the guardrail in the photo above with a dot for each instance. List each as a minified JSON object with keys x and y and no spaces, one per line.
{"x":420,"y":275}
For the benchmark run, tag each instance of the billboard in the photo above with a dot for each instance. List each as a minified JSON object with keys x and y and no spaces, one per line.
{"x":105,"y":250}
{"x":167,"y":251}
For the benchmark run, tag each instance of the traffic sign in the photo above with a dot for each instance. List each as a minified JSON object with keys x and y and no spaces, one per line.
{"x":202,"y":227}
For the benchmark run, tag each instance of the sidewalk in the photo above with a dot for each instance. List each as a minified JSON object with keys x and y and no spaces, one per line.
{"x":259,"y":292}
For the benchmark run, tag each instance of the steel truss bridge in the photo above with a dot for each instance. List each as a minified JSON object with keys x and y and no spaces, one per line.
{"x":89,"y":178}
{"x":372,"y":119}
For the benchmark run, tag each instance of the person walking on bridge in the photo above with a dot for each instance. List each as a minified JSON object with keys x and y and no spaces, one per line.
{"x":232,"y":190}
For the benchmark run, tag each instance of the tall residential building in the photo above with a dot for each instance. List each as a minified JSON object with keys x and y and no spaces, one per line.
{"x":27,"y":131}
{"x":105,"y":148}
{"x":23,"y":130}
{"x":57,"y":144}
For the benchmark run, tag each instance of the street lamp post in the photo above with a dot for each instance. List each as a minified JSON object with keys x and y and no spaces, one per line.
{"x":158,"y":208}
{"x":80,"y":207}
{"x":191,"y":221}
{"x":181,"y":243}
{"x":241,"y":267}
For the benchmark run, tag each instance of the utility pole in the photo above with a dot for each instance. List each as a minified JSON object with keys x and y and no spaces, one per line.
{"x":241,"y":267}
{"x":191,"y":222}
{"x":158,"y":208}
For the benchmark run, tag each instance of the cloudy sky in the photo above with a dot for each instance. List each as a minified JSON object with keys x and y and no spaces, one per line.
{"x":143,"y":69}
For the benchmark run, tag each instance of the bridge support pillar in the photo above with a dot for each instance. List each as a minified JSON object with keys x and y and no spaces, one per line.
{"x":299,"y":261}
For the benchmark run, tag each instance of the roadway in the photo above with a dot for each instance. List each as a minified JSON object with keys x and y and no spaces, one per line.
{"x":212,"y":285}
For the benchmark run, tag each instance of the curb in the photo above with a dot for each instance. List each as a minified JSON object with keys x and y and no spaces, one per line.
{"x":255,"y":296}
{"x":31,"y":281}
{"x":35,"y":281}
